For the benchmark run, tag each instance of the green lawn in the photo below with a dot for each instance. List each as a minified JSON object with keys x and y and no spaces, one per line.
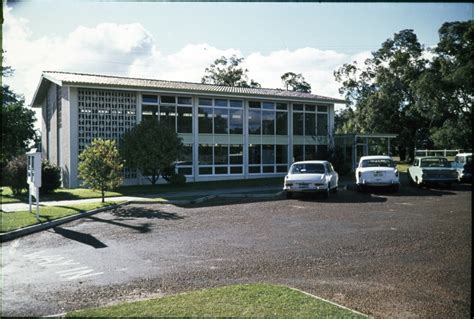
{"x":14,"y":220}
{"x":256,"y":300}
{"x":80,"y":193}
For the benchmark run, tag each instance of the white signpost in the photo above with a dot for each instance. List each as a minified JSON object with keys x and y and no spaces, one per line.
{"x":33,"y":177}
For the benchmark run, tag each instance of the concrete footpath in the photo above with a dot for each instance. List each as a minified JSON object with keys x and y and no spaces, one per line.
{"x":14,"y":207}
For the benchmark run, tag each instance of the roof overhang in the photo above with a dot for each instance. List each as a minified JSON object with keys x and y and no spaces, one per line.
{"x":42,"y":89}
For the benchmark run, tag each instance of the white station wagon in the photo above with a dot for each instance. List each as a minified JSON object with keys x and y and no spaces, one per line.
{"x":377,"y":170}
{"x":311,"y":176}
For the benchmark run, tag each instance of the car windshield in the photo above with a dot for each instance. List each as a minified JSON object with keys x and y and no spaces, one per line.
{"x":378,"y":162}
{"x":434,"y":162}
{"x":308,"y":169}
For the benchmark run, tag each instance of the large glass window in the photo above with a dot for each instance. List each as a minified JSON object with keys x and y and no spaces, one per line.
{"x":205,"y":120}
{"x":309,"y":124}
{"x":185,"y":161}
{"x":167,"y":115}
{"x":281,"y":123}
{"x":235,"y":154}
{"x":235,"y":122}
{"x":221,"y":117}
{"x":150,"y":98}
{"x":185,"y":100}
{"x":254,"y":122}
{"x":268,"y":122}
{"x":281,"y":154}
{"x":185,"y":119}
{"x":322,"y":124}
{"x":268,"y":154}
{"x":298,"y":123}
{"x":254,"y":154}
{"x":168,"y":99}
{"x":298,"y":153}
{"x":205,"y":154}
{"x":221,"y":154}
{"x":309,"y":152}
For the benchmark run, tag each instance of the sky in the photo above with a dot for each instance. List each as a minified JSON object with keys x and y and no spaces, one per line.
{"x":177,"y":41}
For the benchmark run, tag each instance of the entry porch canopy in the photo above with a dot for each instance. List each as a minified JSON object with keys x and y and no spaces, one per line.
{"x":355,"y":145}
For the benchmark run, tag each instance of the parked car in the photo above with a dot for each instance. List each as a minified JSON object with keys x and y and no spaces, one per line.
{"x":377,"y":171}
{"x":463,"y":165}
{"x":311,"y":177}
{"x":432,"y":170}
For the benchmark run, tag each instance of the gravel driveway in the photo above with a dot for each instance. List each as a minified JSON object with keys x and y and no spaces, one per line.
{"x":387,"y":255}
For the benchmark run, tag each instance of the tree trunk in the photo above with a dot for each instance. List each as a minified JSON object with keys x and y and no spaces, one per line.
{"x":103,"y":196}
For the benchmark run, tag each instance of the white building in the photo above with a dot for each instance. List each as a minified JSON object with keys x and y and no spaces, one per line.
{"x":228,"y":132}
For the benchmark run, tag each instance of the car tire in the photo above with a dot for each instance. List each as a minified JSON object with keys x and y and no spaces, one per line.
{"x":396,"y":188}
{"x":334,"y":190}
{"x":289,"y":195}
{"x":326,"y":193}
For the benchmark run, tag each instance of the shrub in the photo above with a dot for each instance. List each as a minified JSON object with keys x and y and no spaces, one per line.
{"x":15,"y":175}
{"x":177,"y":179}
{"x":168,"y":172}
{"x":50,"y":177}
{"x":341,"y":164}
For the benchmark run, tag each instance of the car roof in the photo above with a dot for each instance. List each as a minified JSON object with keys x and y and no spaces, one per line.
{"x":464,"y":154}
{"x":375,"y":157}
{"x":424,"y":157}
{"x":310,"y":162}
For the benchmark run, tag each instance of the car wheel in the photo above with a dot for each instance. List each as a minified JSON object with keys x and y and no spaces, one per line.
{"x":396,"y":188}
{"x":326,"y":193}
{"x":289,"y":195}
{"x":334,"y":190}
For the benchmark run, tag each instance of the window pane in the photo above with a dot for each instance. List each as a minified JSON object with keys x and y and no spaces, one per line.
{"x":220,"y":170}
{"x":221,"y":154}
{"x":268,"y":154}
{"x":309,"y":152}
{"x":297,"y":123}
{"x":205,"y":120}
{"x":205,"y":155}
{"x":322,"y":108}
{"x":254,"y":122}
{"x":297,"y":107}
{"x":236,"y":122}
{"x":254,"y":169}
{"x":268,"y":169}
{"x":149,"y":98}
{"x":268,"y":105}
{"x":322,"y":152}
{"x":309,"y":124}
{"x":185,"y":120}
{"x":281,"y":154}
{"x":310,"y":108}
{"x":254,"y":104}
{"x":236,"y":170}
{"x":281,"y":123}
{"x":254,"y":154}
{"x":186,"y":157}
{"x":221,"y":117}
{"x":298,"y":152}
{"x":168,"y":99}
{"x":205,"y":170}
{"x":235,"y":154}
{"x":220,"y":102}
{"x":322,"y":124}
{"x":235,"y":103}
{"x":150,"y":110}
{"x":185,"y":100}
{"x":168,"y":115}
{"x":282,"y":106}
{"x":268,"y":122}
{"x":282,"y":169}
{"x":205,"y":101}
{"x":185,"y":170}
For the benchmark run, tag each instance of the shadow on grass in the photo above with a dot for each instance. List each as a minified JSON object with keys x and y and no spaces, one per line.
{"x":79,"y":237}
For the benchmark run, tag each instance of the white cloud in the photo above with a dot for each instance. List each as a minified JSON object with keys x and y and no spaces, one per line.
{"x":130,"y":50}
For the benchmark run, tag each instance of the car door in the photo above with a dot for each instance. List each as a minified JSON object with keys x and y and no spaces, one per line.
{"x":412,"y":170}
{"x":333,"y":174}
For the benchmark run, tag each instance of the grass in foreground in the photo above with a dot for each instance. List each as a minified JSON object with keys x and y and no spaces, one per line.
{"x":232,"y":301}
{"x":82,"y":193}
{"x":14,"y":220}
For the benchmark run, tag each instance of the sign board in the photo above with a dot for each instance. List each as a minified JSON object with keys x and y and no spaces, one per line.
{"x":33,"y":176}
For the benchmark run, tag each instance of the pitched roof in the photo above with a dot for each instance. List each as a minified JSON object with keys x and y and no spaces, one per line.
{"x":68,"y":78}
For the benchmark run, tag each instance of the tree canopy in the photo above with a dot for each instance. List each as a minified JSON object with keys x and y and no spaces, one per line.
{"x":228,"y":72}
{"x":151,"y":146}
{"x":295,"y":82}
{"x":426,"y":101}
{"x":100,"y":166}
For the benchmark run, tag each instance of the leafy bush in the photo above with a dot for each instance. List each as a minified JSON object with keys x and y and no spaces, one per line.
{"x":341,"y":164}
{"x":50,"y":177}
{"x":168,"y":172}
{"x":177,"y":179}
{"x":15,"y":175}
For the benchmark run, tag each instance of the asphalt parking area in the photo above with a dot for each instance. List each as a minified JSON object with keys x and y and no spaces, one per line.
{"x":384,"y":254}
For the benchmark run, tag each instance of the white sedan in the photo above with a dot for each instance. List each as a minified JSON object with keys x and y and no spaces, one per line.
{"x":311,"y":176}
{"x":377,"y":171}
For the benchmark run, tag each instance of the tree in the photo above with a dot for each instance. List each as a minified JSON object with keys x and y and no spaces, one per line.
{"x":151,"y":146}
{"x":382,"y":91}
{"x":100,"y":166}
{"x":228,"y":72}
{"x":295,"y":82}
